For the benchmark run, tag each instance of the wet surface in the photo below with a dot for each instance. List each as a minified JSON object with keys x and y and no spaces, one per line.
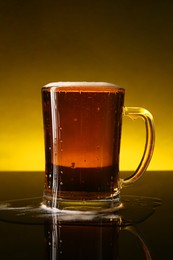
{"x":140,"y":229}
{"x":133,"y":210}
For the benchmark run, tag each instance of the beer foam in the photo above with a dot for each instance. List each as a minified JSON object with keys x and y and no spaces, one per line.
{"x":80,"y":84}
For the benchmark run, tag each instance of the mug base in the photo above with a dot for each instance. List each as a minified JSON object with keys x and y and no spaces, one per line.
{"x":111,"y":204}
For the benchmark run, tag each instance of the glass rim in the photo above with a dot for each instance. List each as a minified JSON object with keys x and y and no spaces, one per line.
{"x":83,"y":86}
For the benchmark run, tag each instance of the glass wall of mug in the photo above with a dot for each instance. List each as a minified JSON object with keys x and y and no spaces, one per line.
{"x":82,"y":132}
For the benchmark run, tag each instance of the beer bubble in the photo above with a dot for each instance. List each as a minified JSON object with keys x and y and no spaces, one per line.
{"x":50,"y":175}
{"x":61,"y":183}
{"x":98,"y":109}
{"x":73,"y":164}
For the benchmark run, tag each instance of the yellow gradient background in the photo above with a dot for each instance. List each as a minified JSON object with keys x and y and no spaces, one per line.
{"x":129,"y":43}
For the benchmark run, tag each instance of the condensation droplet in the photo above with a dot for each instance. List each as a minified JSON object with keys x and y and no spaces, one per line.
{"x":98,"y":108}
{"x":61,"y":183}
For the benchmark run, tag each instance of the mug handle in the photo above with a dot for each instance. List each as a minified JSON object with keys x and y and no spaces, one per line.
{"x":134,"y":113}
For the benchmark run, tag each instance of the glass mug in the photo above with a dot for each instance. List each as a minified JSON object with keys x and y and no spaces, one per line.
{"x":82,"y":132}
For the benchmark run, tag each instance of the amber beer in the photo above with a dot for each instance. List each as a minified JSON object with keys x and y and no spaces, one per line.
{"x":82,"y":125}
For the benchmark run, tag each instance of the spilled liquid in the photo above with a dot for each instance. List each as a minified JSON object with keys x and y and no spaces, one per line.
{"x":133,"y":210}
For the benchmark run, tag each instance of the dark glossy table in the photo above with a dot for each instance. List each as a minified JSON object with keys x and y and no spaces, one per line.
{"x":87,"y":241}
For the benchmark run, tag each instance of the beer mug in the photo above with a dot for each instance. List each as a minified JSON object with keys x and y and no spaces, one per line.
{"x":82,"y":133}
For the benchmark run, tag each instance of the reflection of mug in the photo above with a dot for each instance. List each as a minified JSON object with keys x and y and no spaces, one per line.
{"x":90,"y":240}
{"x":82,"y":126}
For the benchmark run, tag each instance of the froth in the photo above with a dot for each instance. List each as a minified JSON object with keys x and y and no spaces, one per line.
{"x":79,"y":84}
